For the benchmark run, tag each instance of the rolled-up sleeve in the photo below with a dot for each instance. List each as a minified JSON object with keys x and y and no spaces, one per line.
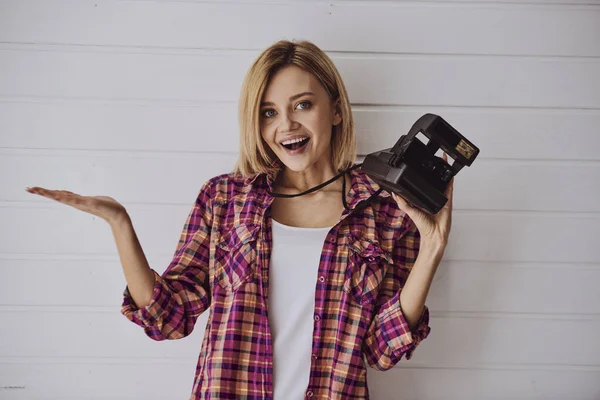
{"x":389,"y":337}
{"x":182,"y":292}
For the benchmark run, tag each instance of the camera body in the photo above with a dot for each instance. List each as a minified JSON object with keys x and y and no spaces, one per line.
{"x":412,"y":170}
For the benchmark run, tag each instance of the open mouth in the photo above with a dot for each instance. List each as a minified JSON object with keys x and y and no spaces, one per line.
{"x":295,"y":145}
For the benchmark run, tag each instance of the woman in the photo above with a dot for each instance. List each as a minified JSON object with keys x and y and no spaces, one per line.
{"x":301,"y":288}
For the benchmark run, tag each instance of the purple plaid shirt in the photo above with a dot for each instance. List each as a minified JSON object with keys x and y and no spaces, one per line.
{"x":221,"y":264}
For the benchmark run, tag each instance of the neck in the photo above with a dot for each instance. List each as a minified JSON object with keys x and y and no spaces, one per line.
{"x":310,"y":177}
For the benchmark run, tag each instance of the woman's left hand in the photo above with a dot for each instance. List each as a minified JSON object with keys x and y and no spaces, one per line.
{"x":434,"y":229}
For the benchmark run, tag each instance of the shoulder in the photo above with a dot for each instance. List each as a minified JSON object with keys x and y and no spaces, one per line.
{"x":223,"y":188}
{"x":385,"y":208}
{"x":368,"y":184}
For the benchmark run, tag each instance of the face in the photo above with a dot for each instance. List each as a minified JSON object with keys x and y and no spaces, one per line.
{"x":297,"y":117}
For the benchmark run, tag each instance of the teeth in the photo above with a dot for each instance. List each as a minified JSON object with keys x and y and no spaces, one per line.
{"x":292,"y":141}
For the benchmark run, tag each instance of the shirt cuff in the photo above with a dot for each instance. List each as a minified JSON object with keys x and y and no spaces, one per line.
{"x":149,"y":315}
{"x":395,"y":330}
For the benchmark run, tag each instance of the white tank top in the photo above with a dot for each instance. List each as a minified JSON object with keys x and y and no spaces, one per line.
{"x":293,"y":271}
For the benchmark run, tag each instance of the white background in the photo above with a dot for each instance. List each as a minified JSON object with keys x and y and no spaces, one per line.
{"x":137,"y":100}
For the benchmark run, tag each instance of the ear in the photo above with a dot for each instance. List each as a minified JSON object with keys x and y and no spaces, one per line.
{"x":337,"y":112}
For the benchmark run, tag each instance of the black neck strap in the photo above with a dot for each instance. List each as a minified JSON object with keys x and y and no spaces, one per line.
{"x":322,"y":185}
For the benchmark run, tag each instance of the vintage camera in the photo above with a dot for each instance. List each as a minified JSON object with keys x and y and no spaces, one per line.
{"x":412,"y":170}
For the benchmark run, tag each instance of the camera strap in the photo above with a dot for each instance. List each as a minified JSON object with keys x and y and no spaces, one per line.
{"x":360,"y":206}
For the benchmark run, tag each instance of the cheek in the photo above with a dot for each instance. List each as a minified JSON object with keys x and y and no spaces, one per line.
{"x":268,"y":137}
{"x":266,"y":132}
{"x":323,"y":128}
{"x":320,"y":123}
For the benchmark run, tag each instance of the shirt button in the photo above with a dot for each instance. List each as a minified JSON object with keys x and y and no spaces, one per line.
{"x":315,"y":357}
{"x":317,"y":318}
{"x":309,"y":394}
{"x":321,"y":279}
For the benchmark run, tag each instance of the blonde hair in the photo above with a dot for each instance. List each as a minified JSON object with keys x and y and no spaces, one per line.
{"x":255,"y":156}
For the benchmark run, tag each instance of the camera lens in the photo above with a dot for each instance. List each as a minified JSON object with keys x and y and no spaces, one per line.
{"x":446,"y":175}
{"x":428,"y":164}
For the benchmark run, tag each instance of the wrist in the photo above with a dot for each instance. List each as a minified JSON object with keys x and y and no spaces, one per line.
{"x":119,"y":220}
{"x":432,"y":248}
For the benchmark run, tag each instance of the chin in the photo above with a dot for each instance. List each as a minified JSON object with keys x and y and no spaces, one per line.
{"x":296,"y":165}
{"x":298,"y":162}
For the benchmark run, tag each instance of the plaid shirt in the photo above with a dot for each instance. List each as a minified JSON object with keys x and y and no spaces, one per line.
{"x":222,"y":265}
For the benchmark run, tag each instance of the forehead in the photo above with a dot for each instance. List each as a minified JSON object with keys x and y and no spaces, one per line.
{"x":291,"y":80}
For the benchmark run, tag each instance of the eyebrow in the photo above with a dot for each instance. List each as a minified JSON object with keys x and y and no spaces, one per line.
{"x":294,"y":97}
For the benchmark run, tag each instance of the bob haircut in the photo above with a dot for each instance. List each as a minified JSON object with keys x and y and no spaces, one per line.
{"x":255,"y":155}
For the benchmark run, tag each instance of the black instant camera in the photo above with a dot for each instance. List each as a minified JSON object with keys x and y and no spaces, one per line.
{"x":412,"y":170}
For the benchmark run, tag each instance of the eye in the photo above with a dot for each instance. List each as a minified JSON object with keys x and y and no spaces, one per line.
{"x":304,"y":105}
{"x":268,"y":113}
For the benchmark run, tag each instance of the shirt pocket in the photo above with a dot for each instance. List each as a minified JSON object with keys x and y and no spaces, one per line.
{"x":367,"y":267}
{"x":235,"y":256}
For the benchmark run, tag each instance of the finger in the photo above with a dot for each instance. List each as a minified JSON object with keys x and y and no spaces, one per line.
{"x":412,"y":212}
{"x":450,"y":195}
{"x":39,"y":191}
{"x":45,"y":192}
{"x":444,"y":156}
{"x":448,"y":205}
{"x":450,"y":188}
{"x":66,"y":192}
{"x":403,"y":204}
{"x":444,"y":220}
{"x":70,"y":197}
{"x":63,"y":196}
{"x":82,"y":203}
{"x":419,"y":218}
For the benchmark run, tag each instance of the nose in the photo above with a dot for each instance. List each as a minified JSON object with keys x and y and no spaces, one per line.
{"x":287,"y":122}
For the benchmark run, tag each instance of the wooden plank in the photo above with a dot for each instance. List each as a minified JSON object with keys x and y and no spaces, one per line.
{"x":457,"y":81}
{"x":477,"y":236}
{"x":478,"y":2}
{"x":202,"y":127}
{"x":506,"y":287}
{"x":481,"y":384}
{"x":455,"y":341}
{"x":54,"y":333}
{"x":458,"y":28}
{"x":487,"y":185}
{"x":130,"y":379}
{"x":129,"y":177}
{"x":459,"y":286}
{"x":76,"y":380}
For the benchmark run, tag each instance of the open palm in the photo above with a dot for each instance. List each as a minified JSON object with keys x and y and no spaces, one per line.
{"x":104,"y":207}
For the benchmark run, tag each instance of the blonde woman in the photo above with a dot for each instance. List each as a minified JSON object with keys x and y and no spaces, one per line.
{"x":304,"y":273}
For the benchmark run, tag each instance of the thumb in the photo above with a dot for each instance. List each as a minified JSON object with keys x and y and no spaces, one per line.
{"x":402,"y":203}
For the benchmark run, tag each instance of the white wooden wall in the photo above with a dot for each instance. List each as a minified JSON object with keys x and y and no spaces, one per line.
{"x":137,"y":100}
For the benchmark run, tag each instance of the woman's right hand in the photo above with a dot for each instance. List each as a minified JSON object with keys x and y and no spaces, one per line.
{"x":139,"y":276}
{"x":104,"y":207}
